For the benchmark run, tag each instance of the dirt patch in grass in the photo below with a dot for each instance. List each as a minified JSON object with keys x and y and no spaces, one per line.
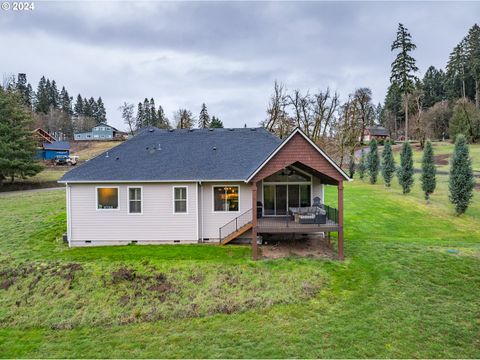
{"x":313,"y":246}
{"x":441,"y":159}
{"x":477,"y":186}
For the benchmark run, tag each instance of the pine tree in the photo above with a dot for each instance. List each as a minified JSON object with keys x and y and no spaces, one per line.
{"x":216,"y":123}
{"x":204,"y":118}
{"x":163,"y":122}
{"x":147,"y":117}
{"x":373,"y":161}
{"x":140,"y":123}
{"x":473,"y":56}
{"x":41,"y":103}
{"x":78,"y":108}
{"x":465,"y":120}
{"x":53,"y":96}
{"x":428,"y":171}
{"x":65,"y":102}
{"x":457,"y":70}
{"x":388,"y":164}
{"x":433,"y":87}
{"x":153,"y":114}
{"x":404,"y":67}
{"x":405,"y":171}
{"x":24,"y":89}
{"x":92,"y":110}
{"x":100,"y":112}
{"x":17,"y":146}
{"x":362,"y":166}
{"x":461,"y":181}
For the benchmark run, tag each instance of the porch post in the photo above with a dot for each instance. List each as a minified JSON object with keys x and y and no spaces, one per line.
{"x":254,"y":222}
{"x":340,"y":220}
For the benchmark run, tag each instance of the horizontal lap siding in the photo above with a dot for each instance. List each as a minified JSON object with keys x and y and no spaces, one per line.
{"x":156,"y":224}
{"x":213,"y":221}
{"x":298,"y":149}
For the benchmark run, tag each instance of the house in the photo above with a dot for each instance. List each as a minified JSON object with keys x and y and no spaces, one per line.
{"x":203,"y":185}
{"x":375,"y":132}
{"x":50,"y":150}
{"x":100,"y":132}
{"x":41,"y":136}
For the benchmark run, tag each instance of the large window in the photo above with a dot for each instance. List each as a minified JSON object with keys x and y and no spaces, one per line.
{"x":107,"y":198}
{"x":180,"y":200}
{"x":134,"y":200}
{"x":225,"y":198}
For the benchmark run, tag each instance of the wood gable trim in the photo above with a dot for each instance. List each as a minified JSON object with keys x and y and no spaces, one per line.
{"x":299,"y":148}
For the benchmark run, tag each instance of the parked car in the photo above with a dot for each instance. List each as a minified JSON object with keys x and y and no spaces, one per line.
{"x":61,"y":160}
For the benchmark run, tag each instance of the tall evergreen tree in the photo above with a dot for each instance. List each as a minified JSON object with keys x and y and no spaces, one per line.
{"x":428,"y":171}
{"x":465,"y":120}
{"x":216,"y":123}
{"x":362,"y":166}
{"x":473,"y":56}
{"x":78,"y":108}
{"x":388,"y":164}
{"x":373,"y":161}
{"x":204,"y":118}
{"x":53,"y":95}
{"x":92,"y":110}
{"x":163,"y":122}
{"x":24,"y":89}
{"x":100,"y":112}
{"x":393,"y":105}
{"x":65,"y":102}
{"x":457,"y":69}
{"x":405,"y":171}
{"x":461,"y":181}
{"x":17,"y":146}
{"x":140,"y":123}
{"x":147,"y":117}
{"x":404,"y":67}
{"x":41,"y":102}
{"x":153,"y":114}
{"x":433,"y":87}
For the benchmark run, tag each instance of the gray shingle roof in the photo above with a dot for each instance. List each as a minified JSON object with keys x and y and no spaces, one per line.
{"x":163,"y":155}
{"x":377,"y":131}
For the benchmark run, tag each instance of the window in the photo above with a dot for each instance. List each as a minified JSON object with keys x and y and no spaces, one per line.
{"x":107,"y":198}
{"x":225,"y":198}
{"x":135,"y":200}
{"x":180,"y":200}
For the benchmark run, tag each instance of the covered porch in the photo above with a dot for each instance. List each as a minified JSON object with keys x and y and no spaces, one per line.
{"x":285,"y":207}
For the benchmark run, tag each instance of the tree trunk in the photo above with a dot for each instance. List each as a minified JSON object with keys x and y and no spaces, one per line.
{"x":406,"y":117}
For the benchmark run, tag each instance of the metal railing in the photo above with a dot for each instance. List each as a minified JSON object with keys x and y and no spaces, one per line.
{"x":332,"y":213}
{"x":288,"y":221}
{"x":235,"y":224}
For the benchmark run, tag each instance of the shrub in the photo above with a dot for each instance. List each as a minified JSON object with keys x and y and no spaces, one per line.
{"x":405,"y":172}
{"x":388,"y":164}
{"x":428,"y":171}
{"x":373,"y":161}
{"x":461,"y":181}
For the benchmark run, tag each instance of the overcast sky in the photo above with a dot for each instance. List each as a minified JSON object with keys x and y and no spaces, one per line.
{"x":224,"y":54}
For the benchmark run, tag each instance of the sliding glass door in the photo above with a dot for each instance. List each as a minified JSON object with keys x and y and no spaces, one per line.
{"x":277,"y":198}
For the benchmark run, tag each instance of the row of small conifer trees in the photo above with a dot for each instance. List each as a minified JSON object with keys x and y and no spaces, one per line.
{"x":461,"y":177}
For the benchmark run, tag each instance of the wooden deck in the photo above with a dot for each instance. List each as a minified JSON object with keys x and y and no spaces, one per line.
{"x":287,"y":225}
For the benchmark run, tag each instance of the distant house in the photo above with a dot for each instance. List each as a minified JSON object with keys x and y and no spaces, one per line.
{"x":42,"y":136}
{"x":49,"y":151}
{"x":375,"y":132}
{"x":100,"y":132}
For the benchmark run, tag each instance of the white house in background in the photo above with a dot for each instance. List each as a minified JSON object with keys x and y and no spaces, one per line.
{"x":202,"y":185}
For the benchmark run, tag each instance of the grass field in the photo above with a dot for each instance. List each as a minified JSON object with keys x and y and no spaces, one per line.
{"x":408,"y":288}
{"x":443,"y":151}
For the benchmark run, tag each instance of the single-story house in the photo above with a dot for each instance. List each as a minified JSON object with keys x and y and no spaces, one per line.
{"x":41,"y":136}
{"x":375,"y":132}
{"x":49,"y":151}
{"x":100,"y":132}
{"x":203,"y":185}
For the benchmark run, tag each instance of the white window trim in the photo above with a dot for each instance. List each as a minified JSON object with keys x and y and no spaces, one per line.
{"x":186,"y":199}
{"x":213,"y":200}
{"x":141,"y":200}
{"x":107,"y":187}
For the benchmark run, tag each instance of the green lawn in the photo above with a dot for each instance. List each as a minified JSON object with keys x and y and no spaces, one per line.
{"x":444,"y":150}
{"x":408,"y":288}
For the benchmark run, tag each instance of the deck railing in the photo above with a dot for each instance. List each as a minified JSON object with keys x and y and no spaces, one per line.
{"x":235,"y":224}
{"x":332,"y":213}
{"x":279,"y":222}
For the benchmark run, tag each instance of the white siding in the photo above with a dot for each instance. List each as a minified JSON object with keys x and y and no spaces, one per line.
{"x":157,"y":224}
{"x":212,"y":221}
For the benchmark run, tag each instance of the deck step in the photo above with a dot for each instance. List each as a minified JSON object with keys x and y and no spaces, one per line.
{"x":237,"y":233}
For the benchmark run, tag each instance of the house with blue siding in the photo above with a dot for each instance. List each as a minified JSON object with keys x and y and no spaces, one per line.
{"x":49,"y":151}
{"x":100,"y":132}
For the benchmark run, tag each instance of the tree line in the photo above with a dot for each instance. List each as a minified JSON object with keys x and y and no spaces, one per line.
{"x":54,"y":110}
{"x":444,"y":103}
{"x":148,"y":114}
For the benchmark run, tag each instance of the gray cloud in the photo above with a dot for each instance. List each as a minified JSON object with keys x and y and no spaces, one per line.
{"x":224,"y":54}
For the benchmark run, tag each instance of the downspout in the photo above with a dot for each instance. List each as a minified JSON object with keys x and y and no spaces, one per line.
{"x":201,"y":211}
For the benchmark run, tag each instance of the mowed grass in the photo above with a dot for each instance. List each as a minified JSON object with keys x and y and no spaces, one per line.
{"x":408,"y":288}
{"x":443,"y":150}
